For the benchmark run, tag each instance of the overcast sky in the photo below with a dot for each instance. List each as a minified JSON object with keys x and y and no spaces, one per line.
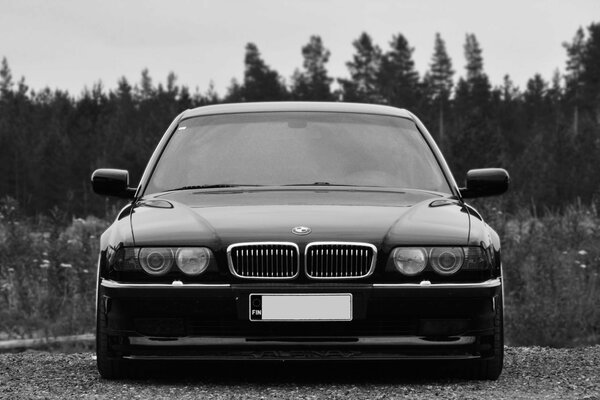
{"x":69,"y":44}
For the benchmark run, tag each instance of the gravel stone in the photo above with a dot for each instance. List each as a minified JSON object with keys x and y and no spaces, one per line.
{"x":529,"y":373}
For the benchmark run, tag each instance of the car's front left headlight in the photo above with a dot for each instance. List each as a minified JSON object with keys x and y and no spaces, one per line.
{"x":411,"y":261}
{"x":446,"y":260}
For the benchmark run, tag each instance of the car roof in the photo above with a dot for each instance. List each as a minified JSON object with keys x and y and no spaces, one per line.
{"x":280,"y":106}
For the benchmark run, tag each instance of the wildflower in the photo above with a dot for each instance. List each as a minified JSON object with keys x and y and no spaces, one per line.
{"x":582,"y":253}
{"x":583,"y":266}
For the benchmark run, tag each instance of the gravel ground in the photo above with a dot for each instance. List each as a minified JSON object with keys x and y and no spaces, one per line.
{"x":529,"y":373}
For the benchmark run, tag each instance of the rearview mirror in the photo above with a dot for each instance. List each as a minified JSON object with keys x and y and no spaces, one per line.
{"x":112,"y":182}
{"x":485,"y":182}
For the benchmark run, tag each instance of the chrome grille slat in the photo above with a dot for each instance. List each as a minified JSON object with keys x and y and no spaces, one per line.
{"x":339,"y":260}
{"x":264,"y":260}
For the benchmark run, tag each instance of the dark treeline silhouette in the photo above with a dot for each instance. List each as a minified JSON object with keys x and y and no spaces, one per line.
{"x":547,"y":134}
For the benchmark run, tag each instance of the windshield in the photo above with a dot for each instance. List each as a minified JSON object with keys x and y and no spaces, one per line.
{"x":297,"y":148}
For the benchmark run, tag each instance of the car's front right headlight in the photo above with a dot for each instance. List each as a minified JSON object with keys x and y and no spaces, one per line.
{"x":156,"y":261}
{"x":193,"y":260}
{"x":159,"y":261}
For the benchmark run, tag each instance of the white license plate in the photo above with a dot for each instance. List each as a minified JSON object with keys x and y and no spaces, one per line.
{"x":301,"y":307}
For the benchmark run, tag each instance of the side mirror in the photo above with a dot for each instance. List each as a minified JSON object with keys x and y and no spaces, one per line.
{"x":485,"y":182}
{"x":112,"y":182}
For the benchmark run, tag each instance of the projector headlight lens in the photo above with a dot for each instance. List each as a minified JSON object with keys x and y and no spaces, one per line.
{"x":447,"y":260}
{"x":156,"y":261}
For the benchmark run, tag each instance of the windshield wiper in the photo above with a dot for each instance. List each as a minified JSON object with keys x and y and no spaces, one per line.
{"x":231,"y":185}
{"x":214,"y":186}
{"x":321,"y":184}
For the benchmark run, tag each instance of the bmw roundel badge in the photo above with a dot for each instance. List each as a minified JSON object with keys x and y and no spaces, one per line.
{"x":301,"y":230}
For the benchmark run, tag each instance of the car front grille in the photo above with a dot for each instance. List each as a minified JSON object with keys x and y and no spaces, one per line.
{"x":338,"y":260}
{"x":264,"y":260}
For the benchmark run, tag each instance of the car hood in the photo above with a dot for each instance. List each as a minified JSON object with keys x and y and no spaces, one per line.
{"x":222,"y":218}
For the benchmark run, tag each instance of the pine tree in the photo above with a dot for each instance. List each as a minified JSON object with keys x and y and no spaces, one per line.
{"x":145,"y":90}
{"x":477,"y":82}
{"x":6,"y":82}
{"x":438,"y":81}
{"x":313,"y":82}
{"x":477,"y":137}
{"x":211,"y":96}
{"x":440,"y":70}
{"x":590,"y":76}
{"x":575,"y":68}
{"x":399,"y":81}
{"x":509,"y":91}
{"x":171,"y":86}
{"x":261,"y":83}
{"x":233,"y":95}
{"x":474,"y":58}
{"x":363,"y":85}
{"x":7,"y":126}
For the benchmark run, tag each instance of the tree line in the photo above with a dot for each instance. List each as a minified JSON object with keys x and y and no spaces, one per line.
{"x":546,"y":134}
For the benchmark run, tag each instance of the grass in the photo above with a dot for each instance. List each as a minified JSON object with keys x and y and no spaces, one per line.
{"x":552,"y":276}
{"x":47,"y":273}
{"x":551,"y":269}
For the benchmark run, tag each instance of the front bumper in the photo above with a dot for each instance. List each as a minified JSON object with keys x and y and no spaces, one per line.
{"x":389,"y":321}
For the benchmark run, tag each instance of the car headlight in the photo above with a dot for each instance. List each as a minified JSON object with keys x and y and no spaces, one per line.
{"x":159,"y":261}
{"x":412,"y":261}
{"x":156,"y":261}
{"x":409,"y":261}
{"x":447,"y":260}
{"x":193,"y":260}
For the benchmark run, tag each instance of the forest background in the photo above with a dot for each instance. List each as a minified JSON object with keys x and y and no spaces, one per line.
{"x":547,"y":135}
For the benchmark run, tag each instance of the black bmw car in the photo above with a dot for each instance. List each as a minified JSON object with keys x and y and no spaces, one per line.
{"x":284,"y":231}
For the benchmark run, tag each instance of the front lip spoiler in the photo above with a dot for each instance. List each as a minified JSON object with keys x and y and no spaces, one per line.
{"x":359,"y":341}
{"x":240,"y":349}
{"x":425,"y":285}
{"x":285,"y":356}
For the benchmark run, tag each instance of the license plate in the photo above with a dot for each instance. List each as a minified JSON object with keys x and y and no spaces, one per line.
{"x":301,"y":307}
